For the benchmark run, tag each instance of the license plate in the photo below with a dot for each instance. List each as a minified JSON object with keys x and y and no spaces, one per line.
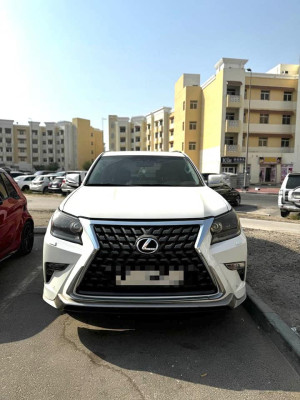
{"x":150,"y":278}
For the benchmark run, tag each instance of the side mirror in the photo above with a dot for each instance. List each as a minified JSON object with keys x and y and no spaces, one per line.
{"x":214,"y":180}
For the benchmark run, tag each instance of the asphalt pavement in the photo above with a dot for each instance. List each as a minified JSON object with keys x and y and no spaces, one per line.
{"x":45,"y":354}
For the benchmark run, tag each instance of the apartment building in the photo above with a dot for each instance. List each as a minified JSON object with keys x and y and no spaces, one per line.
{"x":186,"y":118}
{"x":69,"y":144}
{"x":158,"y":130}
{"x":271,"y":99}
{"x":127,"y":134}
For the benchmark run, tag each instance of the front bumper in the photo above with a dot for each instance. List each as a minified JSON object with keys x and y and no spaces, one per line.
{"x":60,"y":291}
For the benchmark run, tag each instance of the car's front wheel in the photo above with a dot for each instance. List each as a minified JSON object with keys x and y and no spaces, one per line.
{"x":25,"y":187}
{"x":27,"y":239}
{"x":46,"y":190}
{"x":284,"y":213}
{"x":237,"y":201}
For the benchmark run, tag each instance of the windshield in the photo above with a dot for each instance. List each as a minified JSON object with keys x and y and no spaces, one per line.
{"x":143,"y":171}
{"x":293,"y":181}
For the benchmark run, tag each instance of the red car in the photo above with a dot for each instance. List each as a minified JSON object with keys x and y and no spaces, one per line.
{"x":16,"y":224}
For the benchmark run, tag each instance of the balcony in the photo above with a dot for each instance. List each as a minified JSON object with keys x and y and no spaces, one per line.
{"x":232,"y":150}
{"x":270,"y":105}
{"x":266,"y":149}
{"x":270,"y":128}
{"x":233,"y":101}
{"x":232,"y":126}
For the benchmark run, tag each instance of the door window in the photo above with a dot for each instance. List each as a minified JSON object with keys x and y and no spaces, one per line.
{"x":9,"y":187}
{"x":3,"y":191}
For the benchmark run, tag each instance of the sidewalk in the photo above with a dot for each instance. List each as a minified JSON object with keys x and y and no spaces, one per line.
{"x":262,"y":189}
{"x":272,"y":226}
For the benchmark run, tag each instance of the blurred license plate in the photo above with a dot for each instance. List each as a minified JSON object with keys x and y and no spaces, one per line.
{"x":150,"y":278}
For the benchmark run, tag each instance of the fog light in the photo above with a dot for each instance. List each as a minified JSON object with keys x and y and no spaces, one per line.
{"x":237,"y":266}
{"x":51,"y":267}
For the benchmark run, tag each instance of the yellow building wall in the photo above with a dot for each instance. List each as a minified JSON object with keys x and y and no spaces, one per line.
{"x":212,"y":105}
{"x":183,"y":115}
{"x":274,"y":118}
{"x":89,"y":141}
{"x":276,"y":86}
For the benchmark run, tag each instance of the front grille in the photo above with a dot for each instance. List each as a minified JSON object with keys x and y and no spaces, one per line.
{"x":118,"y":257}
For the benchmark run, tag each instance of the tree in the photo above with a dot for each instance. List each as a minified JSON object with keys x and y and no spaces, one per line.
{"x":86,"y":165}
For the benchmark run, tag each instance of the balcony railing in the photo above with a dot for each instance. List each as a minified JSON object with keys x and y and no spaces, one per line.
{"x":232,"y":125}
{"x":231,"y":150}
{"x":233,"y":100}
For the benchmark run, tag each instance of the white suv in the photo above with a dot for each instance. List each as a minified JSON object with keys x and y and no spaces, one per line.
{"x":144,"y":231}
{"x":288,"y":197}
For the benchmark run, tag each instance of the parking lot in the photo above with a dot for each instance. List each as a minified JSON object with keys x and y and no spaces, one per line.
{"x":45,"y":354}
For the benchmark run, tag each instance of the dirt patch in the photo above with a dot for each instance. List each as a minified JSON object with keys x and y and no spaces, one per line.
{"x":41,"y":218}
{"x":274,"y":272}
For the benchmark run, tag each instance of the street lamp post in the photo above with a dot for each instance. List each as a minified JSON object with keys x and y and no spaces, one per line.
{"x":247,"y":136}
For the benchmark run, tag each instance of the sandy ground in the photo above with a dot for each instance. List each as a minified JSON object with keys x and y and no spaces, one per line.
{"x":273,"y":269}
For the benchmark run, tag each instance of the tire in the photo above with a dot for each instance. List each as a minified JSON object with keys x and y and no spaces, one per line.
{"x":237,"y":201}
{"x":27,"y":239}
{"x":284,"y":213}
{"x":25,"y":188}
{"x":45,"y":190}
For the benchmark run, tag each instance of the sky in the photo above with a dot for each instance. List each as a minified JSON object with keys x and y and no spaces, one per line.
{"x":61,"y":59}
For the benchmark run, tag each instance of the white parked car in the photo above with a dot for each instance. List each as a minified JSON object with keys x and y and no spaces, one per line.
{"x":40,"y":184}
{"x":287,"y":196}
{"x":72,"y":180}
{"x":144,"y":231}
{"x":24,"y":181}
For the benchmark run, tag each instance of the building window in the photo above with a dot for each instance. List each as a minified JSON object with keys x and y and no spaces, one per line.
{"x":193,"y":125}
{"x":92,"y":143}
{"x":183,"y":105}
{"x":148,"y":126}
{"x":50,"y":141}
{"x":44,"y":142}
{"x":156,"y":146}
{"x":286,"y":119}
{"x":156,"y":123}
{"x":137,"y":128}
{"x":45,"y":159}
{"x":49,"y":133}
{"x":287,"y":96}
{"x":137,"y":148}
{"x":8,"y":158}
{"x":8,"y":141}
{"x":122,"y":129}
{"x":193,"y":104}
{"x":149,"y":137}
{"x":263,"y":142}
{"x":149,"y":147}
{"x":22,"y":159}
{"x":171,"y":120}
{"x":245,"y":94}
{"x":264,"y":119}
{"x":229,"y":140}
{"x":8,"y":149}
{"x":34,"y":141}
{"x":0,"y":130}
{"x":123,"y":148}
{"x":44,"y":133}
{"x":156,"y":135}
{"x":34,"y":133}
{"x":92,"y":134}
{"x":230,"y":117}
{"x":132,"y":140}
{"x":192,"y":145}
{"x":122,"y":140}
{"x":285,"y":142}
{"x":231,"y":91}
{"x":171,"y":145}
{"x":160,"y":122}
{"x":35,"y":159}
{"x":131,"y":130}
{"x":61,"y":141}
{"x":50,"y":159}
{"x":92,"y":151}
{"x":160,"y":134}
{"x":50,"y":150}
{"x":183,"y":126}
{"x":265,"y":95}
{"x":7,"y":130}
{"x":137,"y":139}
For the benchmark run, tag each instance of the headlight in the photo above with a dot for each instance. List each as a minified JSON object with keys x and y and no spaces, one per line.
{"x":66,"y":227}
{"x":225,"y":227}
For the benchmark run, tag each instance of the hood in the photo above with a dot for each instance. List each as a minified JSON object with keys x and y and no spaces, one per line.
{"x":143,"y":203}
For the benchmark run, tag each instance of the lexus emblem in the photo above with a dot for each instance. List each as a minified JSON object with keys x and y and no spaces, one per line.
{"x":147,"y":245}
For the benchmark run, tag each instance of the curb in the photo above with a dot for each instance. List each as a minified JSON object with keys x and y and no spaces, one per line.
{"x":287,"y":341}
{"x":40,"y":230}
{"x":258,"y":192}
